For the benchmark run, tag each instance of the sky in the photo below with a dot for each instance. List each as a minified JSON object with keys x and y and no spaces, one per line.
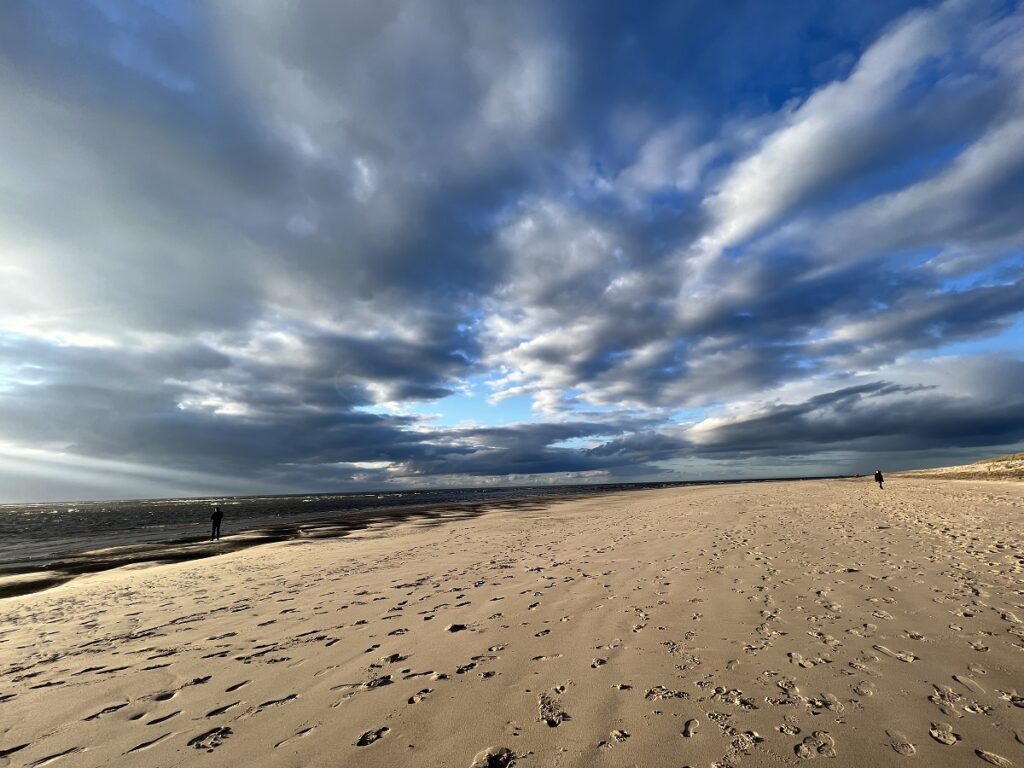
{"x":258,"y":247}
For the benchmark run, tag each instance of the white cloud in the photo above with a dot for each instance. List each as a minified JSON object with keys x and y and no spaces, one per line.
{"x":964,"y":204}
{"x":831,"y":133}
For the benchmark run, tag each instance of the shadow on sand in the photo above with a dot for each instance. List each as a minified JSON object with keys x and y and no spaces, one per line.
{"x":16,"y":581}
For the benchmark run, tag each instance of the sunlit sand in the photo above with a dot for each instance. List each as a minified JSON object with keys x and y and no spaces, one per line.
{"x":729,"y":625}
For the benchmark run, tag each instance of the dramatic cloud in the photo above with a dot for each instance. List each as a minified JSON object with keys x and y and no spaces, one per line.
{"x":256,"y":246}
{"x":961,"y":405}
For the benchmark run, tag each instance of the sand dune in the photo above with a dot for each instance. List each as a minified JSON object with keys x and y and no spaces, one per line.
{"x":729,"y":625}
{"x":1010,"y":467}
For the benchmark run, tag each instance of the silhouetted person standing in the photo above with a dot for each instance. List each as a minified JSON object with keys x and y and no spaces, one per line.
{"x":216,"y":517}
{"x":879,"y":479}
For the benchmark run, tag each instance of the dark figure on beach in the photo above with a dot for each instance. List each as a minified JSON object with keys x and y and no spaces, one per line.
{"x":879,"y":479}
{"x":216,"y":517}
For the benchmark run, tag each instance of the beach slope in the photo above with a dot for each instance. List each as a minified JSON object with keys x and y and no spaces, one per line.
{"x":767,"y":624}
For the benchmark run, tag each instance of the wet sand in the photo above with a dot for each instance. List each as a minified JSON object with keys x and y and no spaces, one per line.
{"x":19,"y":581}
{"x":728,"y":625}
{"x":23,"y":579}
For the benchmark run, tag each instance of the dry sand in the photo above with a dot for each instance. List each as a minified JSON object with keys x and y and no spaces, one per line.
{"x":1010,"y":467}
{"x":750,"y":625}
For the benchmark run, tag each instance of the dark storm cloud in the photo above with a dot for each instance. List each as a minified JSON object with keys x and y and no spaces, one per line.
{"x":981,"y":404}
{"x":293,"y":428}
{"x":255,"y":238}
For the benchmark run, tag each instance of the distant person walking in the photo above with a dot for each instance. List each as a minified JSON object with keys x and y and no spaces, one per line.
{"x":216,"y":517}
{"x":879,"y":479}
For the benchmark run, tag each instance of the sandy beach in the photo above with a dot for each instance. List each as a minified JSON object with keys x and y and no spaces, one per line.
{"x":728,"y":625}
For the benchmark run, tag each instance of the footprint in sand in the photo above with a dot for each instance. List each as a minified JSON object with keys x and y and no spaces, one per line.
{"x":864,"y":688}
{"x":865,"y":630}
{"x":818,"y":744}
{"x":831,"y":703}
{"x":943,"y":733}
{"x":598,"y":663}
{"x":796,"y":658}
{"x":616,"y":737}
{"x":211,"y":739}
{"x":660,"y":692}
{"x":993,"y":759}
{"x":371,"y":736}
{"x":551,"y":711}
{"x":272,"y":703}
{"x":905,"y":656}
{"x":860,"y":667}
{"x":900,"y":743}
{"x":690,"y":729}
{"x":788,"y":685}
{"x":297,"y":735}
{"x":495,"y":757}
{"x":419,"y":696}
{"x":969,"y":683}
{"x":946,"y":699}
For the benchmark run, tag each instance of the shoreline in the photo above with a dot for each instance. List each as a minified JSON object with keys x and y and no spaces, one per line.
{"x":41,"y":573}
{"x":15,"y":581}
